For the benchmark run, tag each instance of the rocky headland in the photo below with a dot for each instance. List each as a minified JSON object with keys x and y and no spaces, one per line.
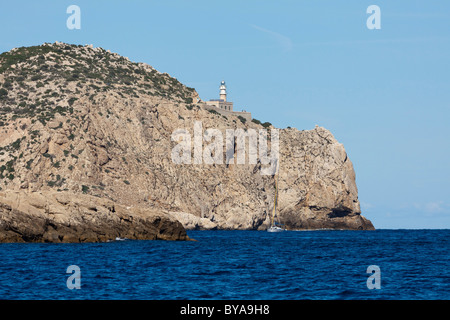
{"x":85,"y":155}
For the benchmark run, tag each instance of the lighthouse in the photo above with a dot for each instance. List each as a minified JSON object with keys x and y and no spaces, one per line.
{"x":223,"y":91}
{"x":225,"y":107}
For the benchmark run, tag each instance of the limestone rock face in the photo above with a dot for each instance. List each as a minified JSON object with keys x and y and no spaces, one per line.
{"x":51,"y":216}
{"x":317,"y":189}
{"x":325,"y":195}
{"x":83,"y":121}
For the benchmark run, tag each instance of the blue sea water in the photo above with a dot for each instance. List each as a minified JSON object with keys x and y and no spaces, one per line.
{"x":293,"y":265}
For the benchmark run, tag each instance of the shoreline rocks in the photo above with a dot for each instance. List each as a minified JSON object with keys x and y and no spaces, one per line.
{"x":64,"y":217}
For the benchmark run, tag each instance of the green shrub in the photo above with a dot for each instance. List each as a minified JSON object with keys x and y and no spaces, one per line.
{"x":84,"y":189}
{"x":72,"y":100}
{"x":3,"y":93}
{"x":16,"y":144}
{"x":214,"y":112}
{"x":28,"y":166}
{"x":243,"y":120}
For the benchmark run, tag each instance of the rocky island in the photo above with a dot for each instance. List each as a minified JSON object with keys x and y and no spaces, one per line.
{"x":85,"y":155}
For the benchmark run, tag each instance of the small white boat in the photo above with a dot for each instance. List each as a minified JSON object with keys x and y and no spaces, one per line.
{"x":275,"y":229}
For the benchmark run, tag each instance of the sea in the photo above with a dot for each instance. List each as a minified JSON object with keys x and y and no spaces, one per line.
{"x":235,"y":265}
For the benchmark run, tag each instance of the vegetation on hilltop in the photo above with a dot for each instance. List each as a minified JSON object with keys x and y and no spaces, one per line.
{"x":42,"y":80}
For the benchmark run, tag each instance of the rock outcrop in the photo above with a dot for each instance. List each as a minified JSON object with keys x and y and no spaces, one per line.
{"x":51,"y":216}
{"x":81,"y":120}
{"x":325,"y":195}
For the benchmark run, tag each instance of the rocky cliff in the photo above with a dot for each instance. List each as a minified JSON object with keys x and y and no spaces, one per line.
{"x":81,"y":120}
{"x":50,"y":216}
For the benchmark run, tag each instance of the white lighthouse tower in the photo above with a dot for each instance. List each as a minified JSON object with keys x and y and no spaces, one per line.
{"x":223,"y":91}
{"x":224,"y":106}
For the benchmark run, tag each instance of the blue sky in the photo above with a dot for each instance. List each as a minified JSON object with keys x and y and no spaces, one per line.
{"x":384,"y":94}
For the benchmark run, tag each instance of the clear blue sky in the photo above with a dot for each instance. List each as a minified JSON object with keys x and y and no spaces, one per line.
{"x":384,"y":94}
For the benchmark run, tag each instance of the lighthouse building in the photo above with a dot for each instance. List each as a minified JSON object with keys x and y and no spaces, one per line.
{"x":222,"y":102}
{"x":225,"y":107}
